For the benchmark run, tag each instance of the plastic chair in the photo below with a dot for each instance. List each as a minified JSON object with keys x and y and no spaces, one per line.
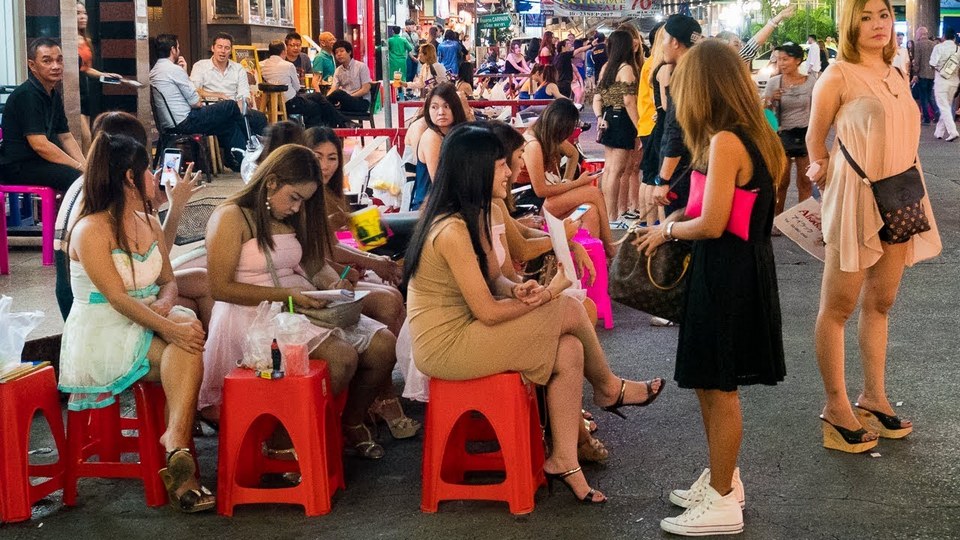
{"x":48,"y":216}
{"x":510,"y":417}
{"x":100,"y":432}
{"x":598,"y":292}
{"x":252,"y":408}
{"x":20,"y":399}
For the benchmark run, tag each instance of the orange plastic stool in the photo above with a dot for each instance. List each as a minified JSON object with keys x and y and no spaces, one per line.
{"x":20,"y":399}
{"x":512,"y":419}
{"x":100,"y":432}
{"x":252,"y":408}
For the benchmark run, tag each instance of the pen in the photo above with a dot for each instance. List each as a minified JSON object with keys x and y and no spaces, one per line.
{"x":346,"y":269}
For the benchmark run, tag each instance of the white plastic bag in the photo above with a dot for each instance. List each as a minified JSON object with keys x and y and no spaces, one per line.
{"x":356,"y":170}
{"x":14,"y":328}
{"x":387,"y":178}
{"x":250,"y":157}
{"x":416,"y":385}
{"x":256,"y":344}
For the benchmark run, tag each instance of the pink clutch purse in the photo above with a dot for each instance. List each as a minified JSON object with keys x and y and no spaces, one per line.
{"x":739,"y":223}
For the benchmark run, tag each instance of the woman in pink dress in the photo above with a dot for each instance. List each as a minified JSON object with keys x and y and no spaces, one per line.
{"x":279,"y":216}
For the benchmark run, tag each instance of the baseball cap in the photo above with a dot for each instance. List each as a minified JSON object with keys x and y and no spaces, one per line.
{"x":684,"y":28}
{"x":791,"y":49}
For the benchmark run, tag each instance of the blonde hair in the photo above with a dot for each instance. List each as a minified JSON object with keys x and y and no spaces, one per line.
{"x":428,"y":54}
{"x":714,"y":93}
{"x":656,"y":53}
{"x":849,"y":30}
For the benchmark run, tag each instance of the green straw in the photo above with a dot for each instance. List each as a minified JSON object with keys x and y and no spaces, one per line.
{"x":290,"y":303}
{"x":346,"y":269}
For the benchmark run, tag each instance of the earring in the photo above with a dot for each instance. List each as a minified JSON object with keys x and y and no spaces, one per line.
{"x":267,"y":202}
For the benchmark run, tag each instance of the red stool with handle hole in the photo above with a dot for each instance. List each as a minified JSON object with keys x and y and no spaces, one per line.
{"x":48,"y":217}
{"x":99,"y":432}
{"x":20,"y":399}
{"x":509,"y":415}
{"x":252,"y":408}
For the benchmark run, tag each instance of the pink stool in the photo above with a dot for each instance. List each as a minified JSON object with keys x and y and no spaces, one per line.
{"x":48,"y":216}
{"x":598,"y":291}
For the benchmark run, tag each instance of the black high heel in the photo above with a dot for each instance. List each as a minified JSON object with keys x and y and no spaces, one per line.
{"x":651,"y":396}
{"x":839,"y":438}
{"x":887,"y":426}
{"x":562,"y":477}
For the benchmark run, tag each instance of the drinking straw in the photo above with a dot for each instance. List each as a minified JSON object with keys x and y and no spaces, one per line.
{"x":290,"y":303}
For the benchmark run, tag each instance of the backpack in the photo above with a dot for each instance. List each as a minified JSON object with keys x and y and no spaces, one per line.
{"x":948,"y":68}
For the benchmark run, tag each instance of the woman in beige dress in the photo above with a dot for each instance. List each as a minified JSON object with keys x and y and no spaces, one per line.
{"x":467,"y":321}
{"x":869,"y":104}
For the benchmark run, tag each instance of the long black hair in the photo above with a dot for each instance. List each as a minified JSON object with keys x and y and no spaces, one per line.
{"x":318,"y":135}
{"x":448,"y":93}
{"x":619,"y":52}
{"x":463,"y":187}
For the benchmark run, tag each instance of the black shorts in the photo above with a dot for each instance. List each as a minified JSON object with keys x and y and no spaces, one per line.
{"x":621,"y":132}
{"x":794,"y":142}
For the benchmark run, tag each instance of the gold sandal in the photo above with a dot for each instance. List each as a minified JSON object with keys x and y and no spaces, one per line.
{"x":180,"y":469}
{"x":402,"y":427}
{"x":367,"y":448}
{"x":592,"y":451}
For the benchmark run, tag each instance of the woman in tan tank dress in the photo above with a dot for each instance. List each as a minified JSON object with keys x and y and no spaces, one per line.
{"x":467,"y":321}
{"x":869,"y":104}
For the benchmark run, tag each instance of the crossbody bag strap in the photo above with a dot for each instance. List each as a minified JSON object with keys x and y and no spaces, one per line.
{"x":853,"y":164}
{"x":272,"y":269}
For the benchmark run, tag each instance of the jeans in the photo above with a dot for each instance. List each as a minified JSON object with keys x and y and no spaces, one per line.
{"x":222,"y":119}
{"x":925,"y":95}
{"x":347,"y":103}
{"x":316,"y":111}
{"x":39,"y":172}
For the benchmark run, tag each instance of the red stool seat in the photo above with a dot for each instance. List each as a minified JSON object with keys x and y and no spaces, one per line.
{"x":48,"y":216}
{"x":512,"y":419}
{"x":252,"y":408}
{"x":99,"y":432}
{"x":20,"y":399}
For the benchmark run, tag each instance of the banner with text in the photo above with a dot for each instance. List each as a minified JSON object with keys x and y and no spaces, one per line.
{"x":612,"y":8}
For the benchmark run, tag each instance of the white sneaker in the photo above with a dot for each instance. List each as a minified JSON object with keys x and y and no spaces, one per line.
{"x":713,"y":515}
{"x":686,"y":498}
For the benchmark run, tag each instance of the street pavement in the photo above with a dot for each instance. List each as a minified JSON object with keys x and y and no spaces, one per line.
{"x":795,"y":489}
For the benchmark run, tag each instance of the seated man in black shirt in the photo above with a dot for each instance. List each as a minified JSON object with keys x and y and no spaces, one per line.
{"x":38,"y":148}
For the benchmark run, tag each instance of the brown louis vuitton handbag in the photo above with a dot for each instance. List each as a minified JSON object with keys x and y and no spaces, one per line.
{"x":657,"y":284}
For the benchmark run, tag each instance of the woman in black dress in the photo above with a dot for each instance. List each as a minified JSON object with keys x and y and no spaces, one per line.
{"x":730,"y":334}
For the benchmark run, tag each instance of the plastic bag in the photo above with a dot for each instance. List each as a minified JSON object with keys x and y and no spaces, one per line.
{"x":387,"y":178}
{"x":294,"y":342}
{"x":14,"y":328}
{"x":355,"y":171}
{"x":256,"y":344}
{"x":416,"y":385}
{"x":250,"y":157}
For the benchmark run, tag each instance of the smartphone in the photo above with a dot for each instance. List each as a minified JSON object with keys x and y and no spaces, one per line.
{"x":579,"y":212}
{"x":109,"y":80}
{"x":171,"y":167}
{"x":597,"y":172}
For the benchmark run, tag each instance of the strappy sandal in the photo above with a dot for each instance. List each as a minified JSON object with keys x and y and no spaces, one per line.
{"x":562,"y":477}
{"x":885,"y":425}
{"x":367,"y":448}
{"x":592,"y":451}
{"x":651,"y":396}
{"x":588,"y":421}
{"x":402,"y":427}
{"x":180,"y":469}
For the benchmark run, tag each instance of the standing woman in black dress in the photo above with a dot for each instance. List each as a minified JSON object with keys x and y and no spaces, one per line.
{"x":730,"y":335}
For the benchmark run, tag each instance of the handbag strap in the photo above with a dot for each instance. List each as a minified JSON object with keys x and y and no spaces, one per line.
{"x":853,"y":164}
{"x":272,"y":269}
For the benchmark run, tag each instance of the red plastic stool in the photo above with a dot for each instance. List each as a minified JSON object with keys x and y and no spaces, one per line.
{"x":252,"y":408}
{"x":512,"y":419}
{"x":20,"y":399}
{"x":48,"y":216}
{"x":99,"y":432}
{"x":598,"y":292}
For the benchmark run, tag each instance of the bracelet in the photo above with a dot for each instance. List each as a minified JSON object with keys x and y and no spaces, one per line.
{"x":551,"y":295}
{"x":669,"y":230}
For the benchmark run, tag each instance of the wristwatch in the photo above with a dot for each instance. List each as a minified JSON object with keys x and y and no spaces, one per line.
{"x":658,"y":181}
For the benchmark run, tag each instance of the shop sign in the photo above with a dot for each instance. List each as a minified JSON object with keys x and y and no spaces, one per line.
{"x":536,"y":20}
{"x":606,"y":7}
{"x":496,"y":21}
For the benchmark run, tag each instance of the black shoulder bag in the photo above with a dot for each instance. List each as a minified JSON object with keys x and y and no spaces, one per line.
{"x":899,"y":199}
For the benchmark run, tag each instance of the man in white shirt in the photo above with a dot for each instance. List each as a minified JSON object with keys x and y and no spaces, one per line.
{"x":179,"y":105}
{"x":813,"y":56}
{"x":351,"y":81}
{"x":902,"y":59}
{"x":314,"y":108}
{"x":945,"y":87}
{"x":219,"y":78}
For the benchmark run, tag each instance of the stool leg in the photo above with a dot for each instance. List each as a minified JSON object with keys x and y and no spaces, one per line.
{"x":48,"y":215}
{"x":150,"y":412}
{"x":4,"y":248}
{"x":77,"y":426}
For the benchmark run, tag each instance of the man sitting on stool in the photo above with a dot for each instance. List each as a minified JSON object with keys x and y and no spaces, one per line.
{"x":219,"y":78}
{"x":351,"y":81}
{"x":314,"y":108}
{"x":38,"y":148}
{"x":169,"y":79}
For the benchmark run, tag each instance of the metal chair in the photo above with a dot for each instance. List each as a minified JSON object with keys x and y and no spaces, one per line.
{"x":169,"y":134}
